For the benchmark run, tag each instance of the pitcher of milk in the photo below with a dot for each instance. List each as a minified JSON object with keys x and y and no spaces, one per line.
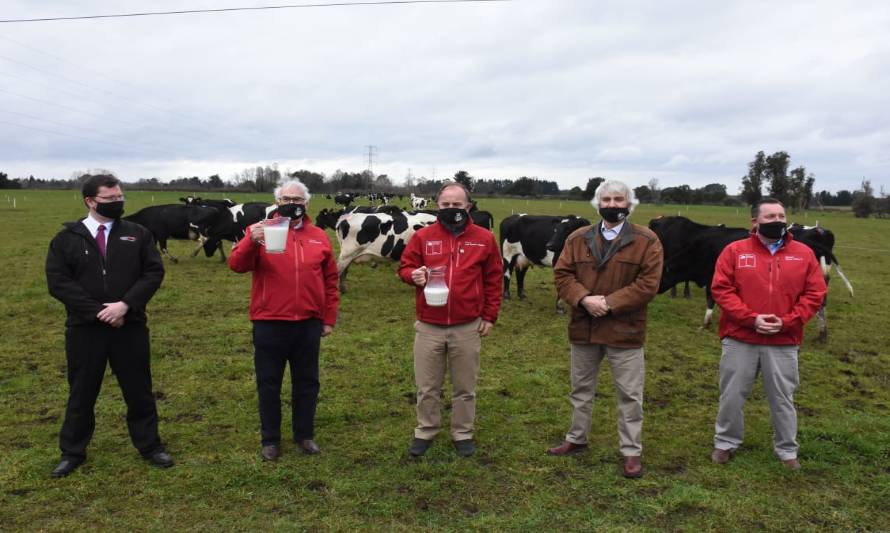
{"x":436,"y":290}
{"x":275,"y":234}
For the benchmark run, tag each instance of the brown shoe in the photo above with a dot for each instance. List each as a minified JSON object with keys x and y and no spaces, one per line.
{"x":309,"y":447}
{"x":271,"y":452}
{"x":721,"y":457}
{"x":567,"y":448}
{"x":633,"y":468}
{"x":791,"y":464}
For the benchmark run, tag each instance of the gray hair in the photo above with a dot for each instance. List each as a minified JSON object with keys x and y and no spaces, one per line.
{"x":292,"y":183}
{"x":615,"y":186}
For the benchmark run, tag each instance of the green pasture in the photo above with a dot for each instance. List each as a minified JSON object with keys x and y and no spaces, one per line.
{"x":204,"y":381}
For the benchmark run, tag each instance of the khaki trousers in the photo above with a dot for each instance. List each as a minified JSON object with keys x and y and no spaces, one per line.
{"x":436,"y":347}
{"x":628,"y":371}
{"x":739,"y":365}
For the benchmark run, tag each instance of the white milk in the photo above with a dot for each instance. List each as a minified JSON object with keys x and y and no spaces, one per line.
{"x":276,"y":238}
{"x":436,"y":296}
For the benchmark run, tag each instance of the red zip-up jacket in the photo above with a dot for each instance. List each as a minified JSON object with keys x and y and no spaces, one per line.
{"x":297,"y":285}
{"x":749,"y":281}
{"x":473,"y":276}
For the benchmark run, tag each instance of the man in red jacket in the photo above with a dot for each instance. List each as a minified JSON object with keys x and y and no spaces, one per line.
{"x":768,"y":286}
{"x":450,"y":334}
{"x":293,"y":303}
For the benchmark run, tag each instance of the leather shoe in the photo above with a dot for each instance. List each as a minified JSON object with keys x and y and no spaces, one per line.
{"x":160,"y":459}
{"x":791,"y":464}
{"x":465,"y":448}
{"x":270,"y":452}
{"x":567,"y":448}
{"x":721,"y":457}
{"x":65,"y":467}
{"x":419,"y":447}
{"x":633,"y":468}
{"x":309,"y":447}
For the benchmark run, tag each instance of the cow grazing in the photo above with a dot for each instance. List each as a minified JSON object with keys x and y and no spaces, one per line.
{"x":533,"y":240}
{"x":696,"y":247}
{"x":175,"y":221}
{"x":417,"y":202}
{"x":327,"y":218}
{"x":364,"y":236}
{"x":344,"y":199}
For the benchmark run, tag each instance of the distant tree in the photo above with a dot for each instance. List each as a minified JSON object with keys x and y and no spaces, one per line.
{"x":777,"y":174}
{"x":800,"y":189}
{"x":677,"y":195}
{"x":643,"y":194}
{"x":6,"y":183}
{"x":463,"y":177}
{"x":655,"y":191}
{"x":592,"y":184}
{"x":752,"y":182}
{"x":524,"y":186}
{"x":382,"y":183}
{"x":712,"y":193}
{"x":576,"y":192}
{"x":312,"y":180}
{"x":864,"y":203}
{"x":844,"y":197}
{"x":215,"y":182}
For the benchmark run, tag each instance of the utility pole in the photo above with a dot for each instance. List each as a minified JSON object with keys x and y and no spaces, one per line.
{"x":372,"y":151}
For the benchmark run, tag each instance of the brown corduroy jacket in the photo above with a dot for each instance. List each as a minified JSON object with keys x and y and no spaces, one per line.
{"x":627,"y":273}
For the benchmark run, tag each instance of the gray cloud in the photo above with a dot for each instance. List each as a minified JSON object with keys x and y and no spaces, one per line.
{"x":683,"y":91}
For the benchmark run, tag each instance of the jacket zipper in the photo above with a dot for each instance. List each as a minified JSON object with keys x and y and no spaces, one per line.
{"x":298,"y":260}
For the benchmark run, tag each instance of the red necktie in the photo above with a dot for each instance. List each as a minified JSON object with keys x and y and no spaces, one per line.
{"x":100,"y":239}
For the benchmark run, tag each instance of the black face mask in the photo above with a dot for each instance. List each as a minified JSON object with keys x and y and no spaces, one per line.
{"x":772,"y":230}
{"x":614,"y":214}
{"x":292,"y":211}
{"x":453,"y":217}
{"x":110,"y":209}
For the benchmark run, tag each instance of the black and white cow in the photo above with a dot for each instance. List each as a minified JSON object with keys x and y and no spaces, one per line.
{"x":696,"y":247}
{"x":176,"y":221}
{"x":417,"y":202}
{"x":234,"y":222}
{"x":528,"y":240}
{"x":344,"y":199}
{"x":366,"y":236}
{"x":327,"y":218}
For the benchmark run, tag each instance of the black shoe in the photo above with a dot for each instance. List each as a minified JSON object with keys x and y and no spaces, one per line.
{"x":160,"y":459}
{"x":309,"y":447}
{"x":65,"y":467}
{"x":465,"y":448}
{"x":419,"y":447}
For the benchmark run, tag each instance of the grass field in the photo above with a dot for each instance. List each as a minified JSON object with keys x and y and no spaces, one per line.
{"x":203,"y":375}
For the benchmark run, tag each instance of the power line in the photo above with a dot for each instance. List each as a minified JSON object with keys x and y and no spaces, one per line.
{"x":254,"y":8}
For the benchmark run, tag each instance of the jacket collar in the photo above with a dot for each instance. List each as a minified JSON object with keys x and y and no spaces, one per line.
{"x":604,"y":250}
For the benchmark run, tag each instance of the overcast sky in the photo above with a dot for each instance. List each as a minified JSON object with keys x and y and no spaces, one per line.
{"x":682,"y":91}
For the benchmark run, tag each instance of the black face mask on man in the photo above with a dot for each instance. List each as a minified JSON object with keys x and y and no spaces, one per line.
{"x":614,"y":214}
{"x":292,"y":211}
{"x":772,"y":230}
{"x":454,"y":218}
{"x":112,"y":210}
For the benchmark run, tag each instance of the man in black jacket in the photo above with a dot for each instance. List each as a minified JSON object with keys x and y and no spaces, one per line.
{"x":105,"y":270}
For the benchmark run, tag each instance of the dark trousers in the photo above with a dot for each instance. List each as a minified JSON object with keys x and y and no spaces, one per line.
{"x":275,"y":344}
{"x":89,"y":349}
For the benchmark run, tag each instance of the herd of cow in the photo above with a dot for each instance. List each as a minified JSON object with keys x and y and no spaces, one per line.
{"x":381,"y":232}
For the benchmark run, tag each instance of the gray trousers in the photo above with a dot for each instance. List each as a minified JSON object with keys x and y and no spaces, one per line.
{"x":738,"y":370}
{"x":628,"y":371}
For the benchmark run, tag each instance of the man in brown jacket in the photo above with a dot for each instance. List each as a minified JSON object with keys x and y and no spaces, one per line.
{"x":608,"y":273}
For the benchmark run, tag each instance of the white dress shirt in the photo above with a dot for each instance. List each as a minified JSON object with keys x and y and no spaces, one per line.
{"x":611,"y":233}
{"x":93,"y":226}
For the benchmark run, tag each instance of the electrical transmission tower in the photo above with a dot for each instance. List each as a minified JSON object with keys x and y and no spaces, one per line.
{"x":372,"y":151}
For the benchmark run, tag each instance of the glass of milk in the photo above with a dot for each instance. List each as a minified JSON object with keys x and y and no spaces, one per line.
{"x":436,"y":290}
{"x":275,"y":234}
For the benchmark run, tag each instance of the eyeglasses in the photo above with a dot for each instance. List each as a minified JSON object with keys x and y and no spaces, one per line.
{"x":291,"y":200}
{"x":119,"y":198}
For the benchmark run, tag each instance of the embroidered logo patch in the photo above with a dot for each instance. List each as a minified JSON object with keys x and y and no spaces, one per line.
{"x":468,"y":243}
{"x":747,"y":261}
{"x":313,"y":241}
{"x":128,"y":238}
{"x":793,"y":258}
{"x":433,"y":247}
